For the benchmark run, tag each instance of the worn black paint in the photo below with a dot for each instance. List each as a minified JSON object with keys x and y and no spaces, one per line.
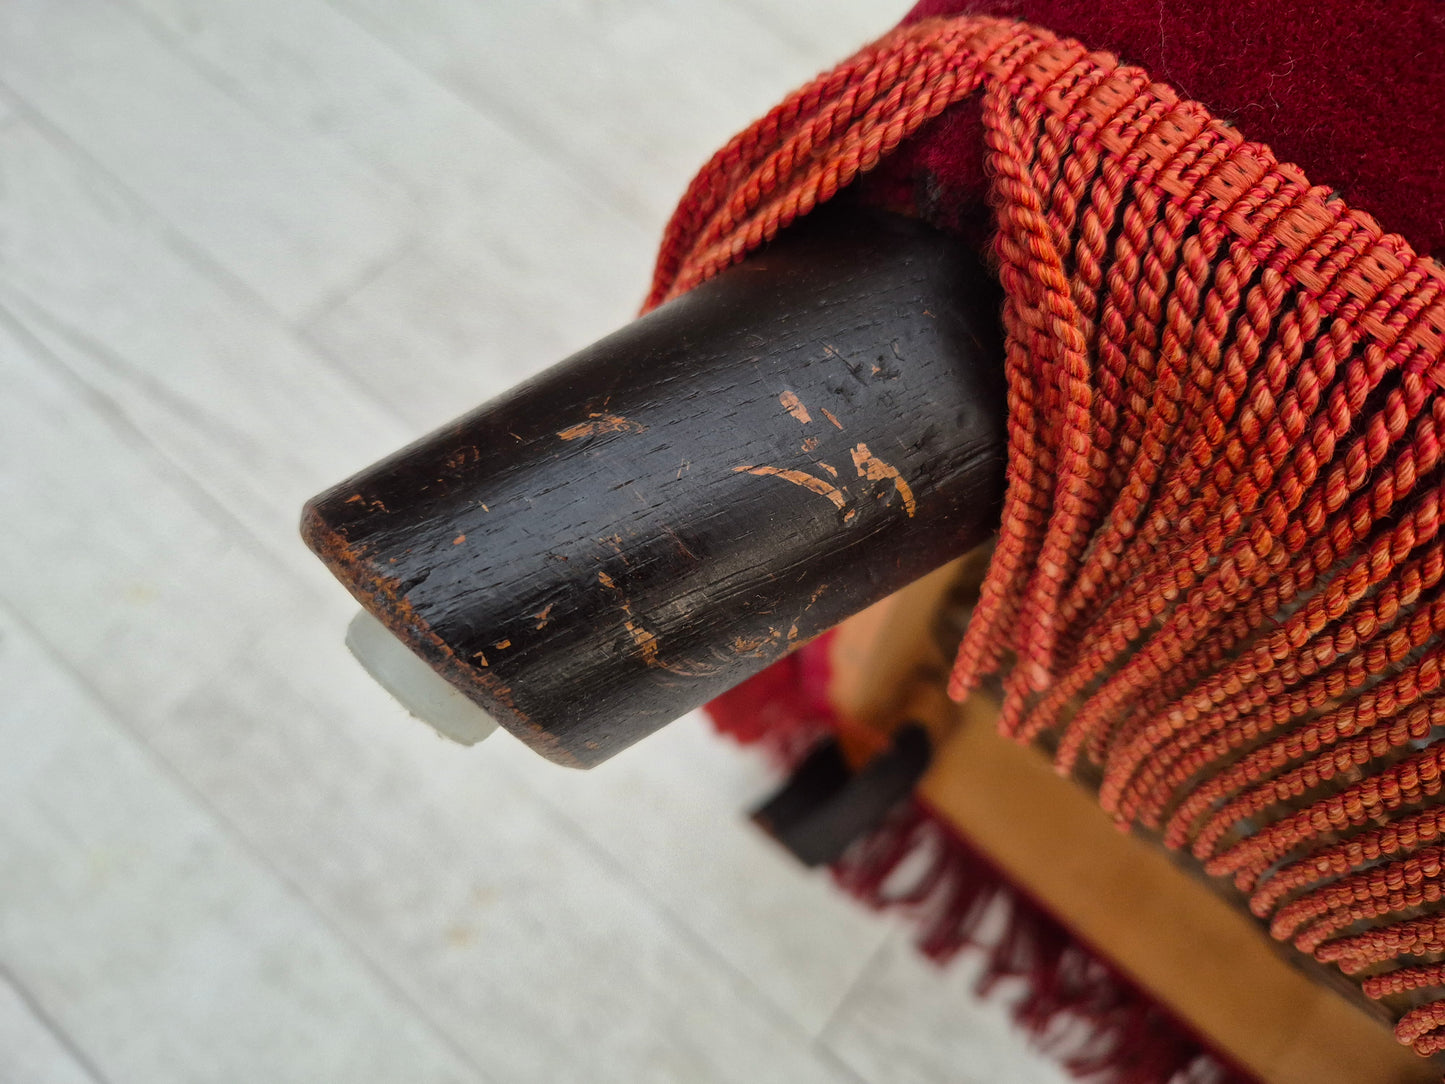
{"x":583,"y":556}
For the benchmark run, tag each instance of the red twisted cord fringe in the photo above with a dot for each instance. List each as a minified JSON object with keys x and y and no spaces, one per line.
{"x":1219,"y":567}
{"x":959,"y":896}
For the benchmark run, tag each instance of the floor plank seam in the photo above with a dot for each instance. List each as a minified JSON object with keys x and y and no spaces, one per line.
{"x":63,"y":1038}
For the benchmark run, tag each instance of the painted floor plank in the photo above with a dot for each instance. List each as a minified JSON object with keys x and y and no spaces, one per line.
{"x":30,"y":1050}
{"x":144,"y":592}
{"x":515,"y":263}
{"x":668,"y":814}
{"x":305,"y":66}
{"x":473,"y":325}
{"x":224,"y":390}
{"x":165,"y":951}
{"x":825,"y":28}
{"x":290,"y":220}
{"x":633,"y":96}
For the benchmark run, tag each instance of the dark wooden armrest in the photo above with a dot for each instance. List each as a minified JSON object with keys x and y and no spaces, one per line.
{"x":665,"y":513}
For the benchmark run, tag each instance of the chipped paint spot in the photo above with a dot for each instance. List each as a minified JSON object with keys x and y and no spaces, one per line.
{"x":374,"y":504}
{"x":800,"y":478}
{"x":544,"y":615}
{"x":875,"y":470}
{"x":601,"y":423}
{"x":794,"y":406}
{"x":459,"y":539}
{"x":461,"y":457}
{"x":829,"y":415}
{"x":614,"y":543}
{"x":648,"y":645}
{"x":755,"y":646}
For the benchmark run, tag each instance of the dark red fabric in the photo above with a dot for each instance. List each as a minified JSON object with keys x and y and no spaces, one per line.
{"x":1352,"y":92}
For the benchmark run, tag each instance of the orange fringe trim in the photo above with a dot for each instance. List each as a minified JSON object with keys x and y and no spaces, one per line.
{"x":1219,"y":563}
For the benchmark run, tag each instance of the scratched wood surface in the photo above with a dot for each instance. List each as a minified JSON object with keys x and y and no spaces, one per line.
{"x":230,"y":231}
{"x":598,"y":530}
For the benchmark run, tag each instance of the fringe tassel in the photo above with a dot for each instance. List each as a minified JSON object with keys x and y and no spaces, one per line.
{"x":1099,"y":1025}
{"x":1222,"y":542}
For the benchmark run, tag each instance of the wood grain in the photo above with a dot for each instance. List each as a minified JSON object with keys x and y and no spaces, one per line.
{"x":659,"y":517}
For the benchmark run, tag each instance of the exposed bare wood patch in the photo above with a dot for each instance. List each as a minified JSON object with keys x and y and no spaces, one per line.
{"x":875,"y":470}
{"x":648,"y":645}
{"x":755,"y":646}
{"x":794,"y":406}
{"x":601,"y":423}
{"x":374,"y":504}
{"x":800,"y":478}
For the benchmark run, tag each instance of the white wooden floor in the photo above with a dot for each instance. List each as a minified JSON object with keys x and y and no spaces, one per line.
{"x":246,"y":247}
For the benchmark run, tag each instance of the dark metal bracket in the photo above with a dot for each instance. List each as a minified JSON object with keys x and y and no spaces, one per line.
{"x":826,"y":805}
